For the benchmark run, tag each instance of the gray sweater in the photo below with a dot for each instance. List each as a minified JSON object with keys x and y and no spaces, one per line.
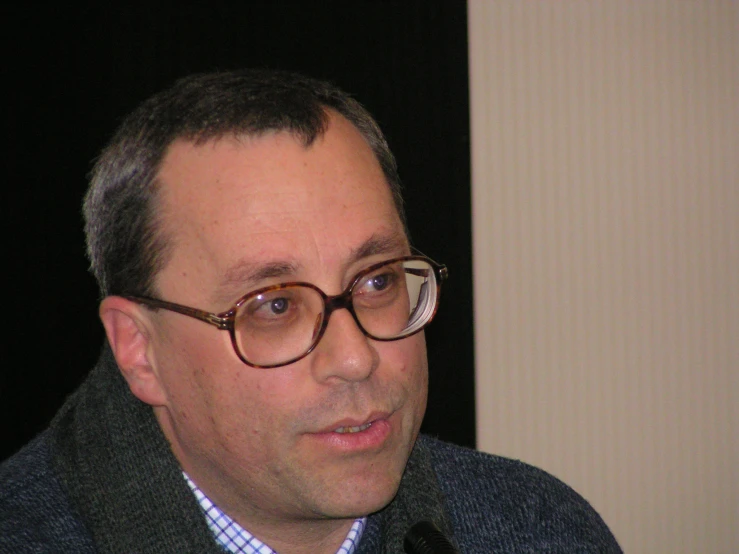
{"x":103,"y":479}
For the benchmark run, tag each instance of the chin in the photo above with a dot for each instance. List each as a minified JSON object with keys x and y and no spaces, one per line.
{"x":364,"y":490}
{"x":359,"y":502}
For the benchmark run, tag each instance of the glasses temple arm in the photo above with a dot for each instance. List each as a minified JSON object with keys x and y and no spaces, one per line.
{"x":222,"y":321}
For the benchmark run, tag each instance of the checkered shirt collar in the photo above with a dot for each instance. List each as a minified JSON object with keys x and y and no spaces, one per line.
{"x":238,"y":540}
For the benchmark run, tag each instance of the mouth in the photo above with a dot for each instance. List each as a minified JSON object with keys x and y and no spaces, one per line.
{"x":352,"y":425}
{"x":357,"y":434}
{"x":346,"y":429}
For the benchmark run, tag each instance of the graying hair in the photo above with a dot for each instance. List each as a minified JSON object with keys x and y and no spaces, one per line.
{"x":125,"y":243}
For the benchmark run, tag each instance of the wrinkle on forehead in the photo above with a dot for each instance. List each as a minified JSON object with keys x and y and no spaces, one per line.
{"x":247,"y":212}
{"x":247,"y":274}
{"x":380,"y":244}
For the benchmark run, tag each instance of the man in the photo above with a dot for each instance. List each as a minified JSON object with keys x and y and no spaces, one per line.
{"x":265,"y":373}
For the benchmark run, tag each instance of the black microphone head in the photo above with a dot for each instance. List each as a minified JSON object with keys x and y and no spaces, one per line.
{"x":425,"y":538}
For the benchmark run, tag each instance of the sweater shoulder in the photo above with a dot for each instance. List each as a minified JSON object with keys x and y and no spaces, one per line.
{"x":465,"y":469}
{"x":35,"y":513}
{"x":498,"y":503}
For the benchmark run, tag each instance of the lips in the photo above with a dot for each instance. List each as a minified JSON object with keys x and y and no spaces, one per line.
{"x":355,"y":425}
{"x":356,"y":429}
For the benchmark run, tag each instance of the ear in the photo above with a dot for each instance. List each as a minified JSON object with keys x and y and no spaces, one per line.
{"x":127,"y":327}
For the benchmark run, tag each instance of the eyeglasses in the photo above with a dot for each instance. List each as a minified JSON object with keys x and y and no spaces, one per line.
{"x":278,"y":325}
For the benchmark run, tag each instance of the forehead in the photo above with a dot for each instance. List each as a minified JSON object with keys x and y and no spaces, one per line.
{"x":271,"y":199}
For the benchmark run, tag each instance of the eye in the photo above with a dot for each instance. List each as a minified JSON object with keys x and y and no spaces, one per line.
{"x":271,"y":306}
{"x":277,"y":306}
{"x":380,"y":282}
{"x":383,"y":281}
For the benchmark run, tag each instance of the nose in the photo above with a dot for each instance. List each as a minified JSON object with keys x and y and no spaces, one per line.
{"x":344,"y":352}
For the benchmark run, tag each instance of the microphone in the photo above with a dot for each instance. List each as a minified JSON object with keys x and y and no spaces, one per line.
{"x":425,"y":538}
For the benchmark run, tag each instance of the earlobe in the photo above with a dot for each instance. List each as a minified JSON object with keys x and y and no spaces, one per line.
{"x":126,"y":327}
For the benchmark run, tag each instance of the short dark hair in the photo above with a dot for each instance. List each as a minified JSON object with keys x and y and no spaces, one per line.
{"x":125,"y":243}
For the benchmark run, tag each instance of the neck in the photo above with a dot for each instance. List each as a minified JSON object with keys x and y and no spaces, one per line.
{"x":283,"y":532}
{"x":312,"y":537}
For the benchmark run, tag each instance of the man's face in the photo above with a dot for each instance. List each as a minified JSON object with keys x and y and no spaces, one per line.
{"x":243,"y":214}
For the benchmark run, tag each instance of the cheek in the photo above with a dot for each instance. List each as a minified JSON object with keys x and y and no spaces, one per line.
{"x":222,"y":416}
{"x":420,"y":361}
{"x":411,"y":356}
{"x":408,"y":366}
{"x":422,"y":381}
{"x":202,"y":379}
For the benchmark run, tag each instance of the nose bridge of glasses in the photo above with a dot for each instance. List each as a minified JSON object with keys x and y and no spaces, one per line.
{"x":338,"y":302}
{"x":333,"y":303}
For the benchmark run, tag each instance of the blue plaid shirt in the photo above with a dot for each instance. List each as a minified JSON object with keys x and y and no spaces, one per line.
{"x":234,"y":538}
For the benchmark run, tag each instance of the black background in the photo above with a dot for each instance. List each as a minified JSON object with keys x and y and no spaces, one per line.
{"x":72,"y":74}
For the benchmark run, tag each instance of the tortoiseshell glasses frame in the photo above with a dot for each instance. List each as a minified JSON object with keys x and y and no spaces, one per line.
{"x":427,"y":275}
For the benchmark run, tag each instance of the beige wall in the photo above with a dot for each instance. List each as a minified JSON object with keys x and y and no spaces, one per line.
{"x":605,"y":163}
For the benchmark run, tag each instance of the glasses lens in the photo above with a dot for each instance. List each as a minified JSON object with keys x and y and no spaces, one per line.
{"x":276,"y":326}
{"x":279,"y":325}
{"x":397,"y":299}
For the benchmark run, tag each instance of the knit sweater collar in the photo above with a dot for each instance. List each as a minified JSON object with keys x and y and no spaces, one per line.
{"x":122,"y":478}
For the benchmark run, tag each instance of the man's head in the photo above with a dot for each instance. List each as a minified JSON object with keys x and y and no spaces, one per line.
{"x":125,"y":243}
{"x":302,"y":190}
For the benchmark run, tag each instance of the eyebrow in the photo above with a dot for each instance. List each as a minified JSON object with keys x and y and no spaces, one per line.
{"x":247,"y":274}
{"x":379,"y":244}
